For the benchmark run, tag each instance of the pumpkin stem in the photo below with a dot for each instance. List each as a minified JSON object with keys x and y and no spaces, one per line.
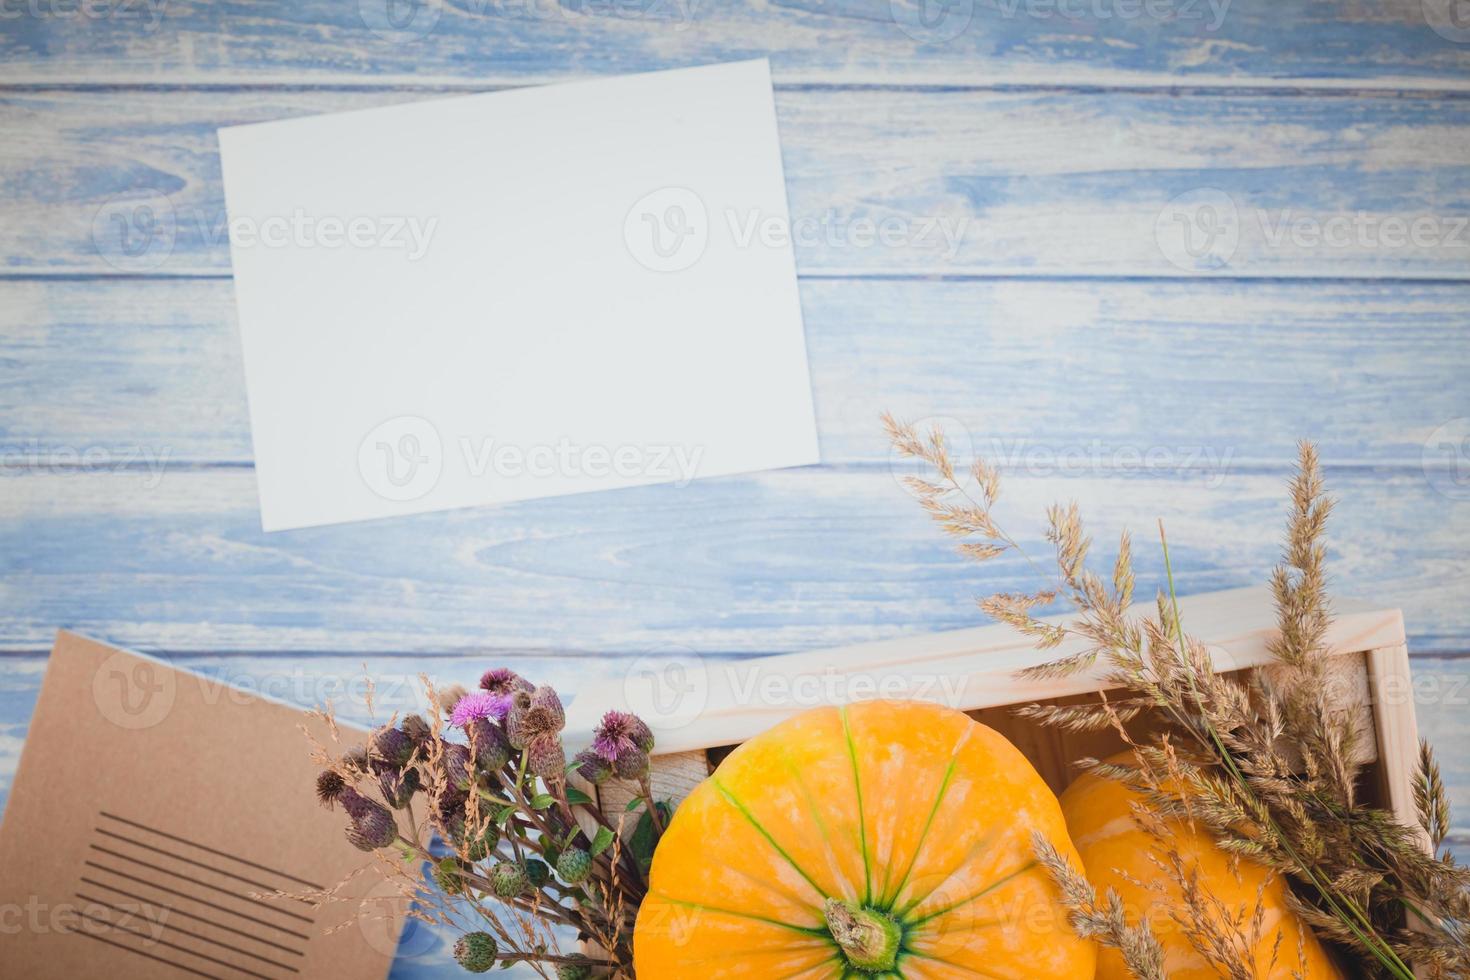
{"x":869,"y":939}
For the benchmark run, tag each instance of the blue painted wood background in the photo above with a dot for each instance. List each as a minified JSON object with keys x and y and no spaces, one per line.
{"x":1316,"y":153}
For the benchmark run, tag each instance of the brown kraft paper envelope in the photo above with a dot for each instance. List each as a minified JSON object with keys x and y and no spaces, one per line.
{"x":150,"y":805}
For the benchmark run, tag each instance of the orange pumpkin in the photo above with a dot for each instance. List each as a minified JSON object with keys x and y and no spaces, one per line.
{"x":1119,"y":854}
{"x":888,"y":838}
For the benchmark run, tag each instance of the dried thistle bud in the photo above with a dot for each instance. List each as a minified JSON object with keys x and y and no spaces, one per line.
{"x":372,"y":823}
{"x":329,"y":786}
{"x":574,"y":865}
{"x":455,"y":761}
{"x":398,"y":787}
{"x":448,"y":814}
{"x":546,"y":758}
{"x":488,"y":743}
{"x":417,"y":729}
{"x":538,"y":872}
{"x":504,"y":681}
{"x":573,"y":971}
{"x":508,"y":879}
{"x":355,"y":760}
{"x":621,"y":739}
{"x":593,"y":767}
{"x":389,"y":749}
{"x":448,"y":697}
{"x":476,"y":951}
{"x":534,"y":714}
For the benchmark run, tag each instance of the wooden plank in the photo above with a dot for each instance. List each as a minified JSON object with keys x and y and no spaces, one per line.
{"x":968,"y":669}
{"x":1397,"y":729}
{"x":786,"y":560}
{"x":880,"y":182}
{"x":498,"y":42}
{"x":139,"y":372}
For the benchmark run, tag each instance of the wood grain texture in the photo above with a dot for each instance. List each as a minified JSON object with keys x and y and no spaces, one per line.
{"x":880,"y":182}
{"x":1051,"y":140}
{"x":969,"y":42}
{"x":778,"y":561}
{"x":145,"y":371}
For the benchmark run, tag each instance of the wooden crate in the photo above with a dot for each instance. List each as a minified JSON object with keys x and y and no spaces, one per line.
{"x":702,"y":708}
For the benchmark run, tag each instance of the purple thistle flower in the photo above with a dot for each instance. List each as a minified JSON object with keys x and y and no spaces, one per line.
{"x":624,"y":741}
{"x":480,"y":705}
{"x":504,"y":681}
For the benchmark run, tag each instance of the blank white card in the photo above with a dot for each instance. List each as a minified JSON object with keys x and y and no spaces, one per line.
{"x":518,"y":294}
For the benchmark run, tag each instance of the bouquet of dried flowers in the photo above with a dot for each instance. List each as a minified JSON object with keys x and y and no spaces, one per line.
{"x":490,"y":834}
{"x":1270,"y":765}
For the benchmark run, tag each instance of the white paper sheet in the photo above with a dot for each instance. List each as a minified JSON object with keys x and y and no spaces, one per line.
{"x":518,"y":294}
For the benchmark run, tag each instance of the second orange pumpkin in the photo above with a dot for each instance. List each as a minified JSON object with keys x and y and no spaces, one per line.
{"x":1119,"y":854}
